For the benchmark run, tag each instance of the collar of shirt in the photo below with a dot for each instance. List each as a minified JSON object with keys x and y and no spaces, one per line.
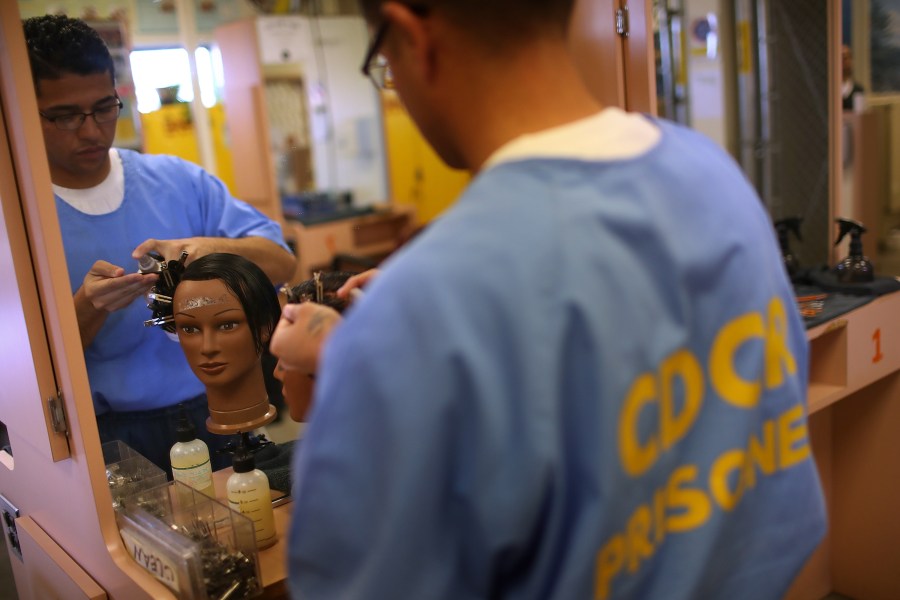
{"x":609,"y":135}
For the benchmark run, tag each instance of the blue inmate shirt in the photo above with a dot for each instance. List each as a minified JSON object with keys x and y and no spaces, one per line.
{"x":586,"y":380}
{"x":132,"y":367}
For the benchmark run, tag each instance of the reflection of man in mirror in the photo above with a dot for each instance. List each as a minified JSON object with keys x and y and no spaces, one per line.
{"x":114,"y":206}
{"x":849,"y":87}
{"x":297,"y":385}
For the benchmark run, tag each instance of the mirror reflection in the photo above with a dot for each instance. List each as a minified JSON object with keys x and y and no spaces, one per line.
{"x":269,"y":100}
{"x":272,"y":103}
{"x":753,"y":76}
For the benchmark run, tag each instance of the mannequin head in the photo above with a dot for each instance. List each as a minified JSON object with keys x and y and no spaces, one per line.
{"x":297,"y":387}
{"x":225,"y":311}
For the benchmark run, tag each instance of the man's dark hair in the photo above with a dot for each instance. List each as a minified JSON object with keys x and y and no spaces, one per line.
{"x":59,"y":46}
{"x":250,"y":286}
{"x":331,"y":283}
{"x":497,"y":23}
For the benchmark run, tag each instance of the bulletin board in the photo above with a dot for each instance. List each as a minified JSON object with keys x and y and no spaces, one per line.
{"x":161,"y":18}
{"x":118,"y":10}
{"x":152,"y":17}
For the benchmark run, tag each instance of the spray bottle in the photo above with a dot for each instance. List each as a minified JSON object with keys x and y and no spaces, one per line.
{"x":190,"y":457}
{"x":785,"y":227}
{"x":855,"y":267}
{"x":249,"y":494}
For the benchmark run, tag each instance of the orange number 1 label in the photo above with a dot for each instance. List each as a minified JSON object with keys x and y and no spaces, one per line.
{"x":876,"y":337}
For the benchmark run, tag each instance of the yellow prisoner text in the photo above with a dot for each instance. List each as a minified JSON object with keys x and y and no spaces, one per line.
{"x":689,"y":498}
{"x":637,"y":455}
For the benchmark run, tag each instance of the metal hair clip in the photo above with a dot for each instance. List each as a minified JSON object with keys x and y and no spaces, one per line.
{"x":159,"y":321}
{"x":320,"y":290}
{"x":161,"y":298}
{"x":160,"y":295}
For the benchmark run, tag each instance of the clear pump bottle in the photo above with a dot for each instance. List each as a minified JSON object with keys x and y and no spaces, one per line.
{"x":248,"y":493}
{"x":190,"y":457}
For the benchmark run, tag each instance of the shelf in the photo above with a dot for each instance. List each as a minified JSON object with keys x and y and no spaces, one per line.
{"x":372,"y":236}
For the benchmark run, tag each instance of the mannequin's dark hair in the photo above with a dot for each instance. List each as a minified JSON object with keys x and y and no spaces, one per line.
{"x":498,"y":24}
{"x":250,"y":286}
{"x":59,"y":45}
{"x":331,"y":283}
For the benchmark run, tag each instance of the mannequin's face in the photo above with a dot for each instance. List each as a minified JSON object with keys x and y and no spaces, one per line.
{"x":214,"y":333}
{"x":297,"y":389}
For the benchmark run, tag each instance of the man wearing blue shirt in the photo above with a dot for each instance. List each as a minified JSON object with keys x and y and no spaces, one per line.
{"x":587,"y":379}
{"x":114,"y":206}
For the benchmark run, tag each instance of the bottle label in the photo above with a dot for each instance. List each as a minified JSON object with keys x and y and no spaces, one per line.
{"x":158,"y":562}
{"x":198,"y":477}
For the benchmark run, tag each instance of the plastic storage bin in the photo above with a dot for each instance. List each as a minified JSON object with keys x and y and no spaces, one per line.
{"x":196,"y":545}
{"x":129,"y":472}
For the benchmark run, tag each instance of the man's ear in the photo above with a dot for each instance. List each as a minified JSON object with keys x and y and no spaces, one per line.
{"x":412,"y":41}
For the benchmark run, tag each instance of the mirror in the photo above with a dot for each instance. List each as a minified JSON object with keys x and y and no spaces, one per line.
{"x":753,"y":76}
{"x":113,"y":31}
{"x":872,"y":125}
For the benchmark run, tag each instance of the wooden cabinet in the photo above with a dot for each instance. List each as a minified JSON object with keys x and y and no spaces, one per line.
{"x":52,"y":573}
{"x":372,"y":236}
{"x":865,"y":175}
{"x":254,"y":174}
{"x":854,"y":406}
{"x":612,"y":41}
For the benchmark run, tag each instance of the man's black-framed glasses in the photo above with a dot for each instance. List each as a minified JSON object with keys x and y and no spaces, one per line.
{"x":73,"y":121}
{"x":375,"y":66}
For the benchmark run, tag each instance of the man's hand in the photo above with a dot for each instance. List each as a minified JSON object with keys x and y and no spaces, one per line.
{"x":106,"y":288}
{"x":357,"y":282}
{"x":277,"y":263}
{"x":300,"y":334}
{"x":172,"y":249}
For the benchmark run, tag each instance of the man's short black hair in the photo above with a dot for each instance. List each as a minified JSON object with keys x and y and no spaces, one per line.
{"x":59,"y":46}
{"x":499,"y":24}
{"x":331,"y":283}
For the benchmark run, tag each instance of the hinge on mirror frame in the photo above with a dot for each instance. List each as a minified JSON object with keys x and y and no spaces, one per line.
{"x":622,"y":21}
{"x":8,"y":526}
{"x":58,"y":413}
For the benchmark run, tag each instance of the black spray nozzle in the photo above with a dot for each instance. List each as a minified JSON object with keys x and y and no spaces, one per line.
{"x":247,"y":447}
{"x":855,"y":229}
{"x":855,"y":267}
{"x":788,"y":225}
{"x":184,"y":430}
{"x":784,"y":227}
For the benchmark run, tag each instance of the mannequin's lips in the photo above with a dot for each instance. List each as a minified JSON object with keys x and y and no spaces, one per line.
{"x":212,"y":368}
